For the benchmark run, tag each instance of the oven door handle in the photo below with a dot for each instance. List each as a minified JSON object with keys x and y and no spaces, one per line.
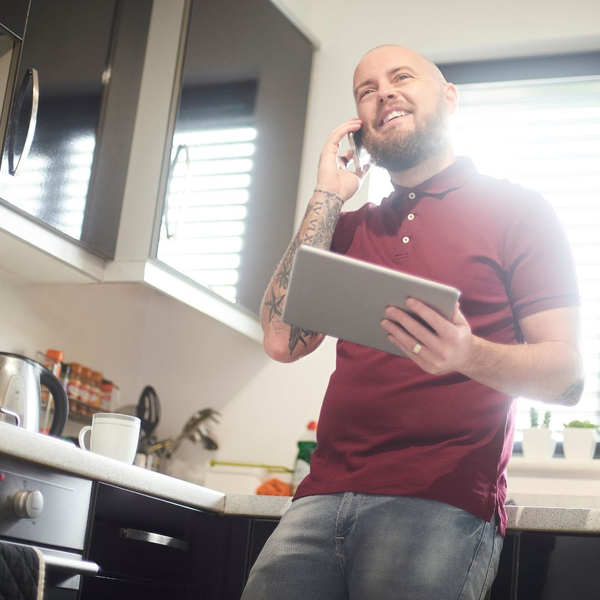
{"x":68,"y":565}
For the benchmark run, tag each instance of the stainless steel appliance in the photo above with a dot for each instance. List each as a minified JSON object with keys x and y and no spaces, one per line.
{"x":20,"y":393}
{"x":47,"y":509}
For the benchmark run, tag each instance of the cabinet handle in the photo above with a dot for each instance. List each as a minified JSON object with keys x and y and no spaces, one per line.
{"x":153,"y":538}
{"x":68,"y":565}
{"x":186,"y":193}
{"x":35,"y":98}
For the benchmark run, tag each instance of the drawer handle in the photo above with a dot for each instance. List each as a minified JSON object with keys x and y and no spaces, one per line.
{"x":153,"y":538}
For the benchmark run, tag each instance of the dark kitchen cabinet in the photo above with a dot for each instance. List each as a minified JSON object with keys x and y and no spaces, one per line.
{"x":72,"y":109}
{"x":151,"y":548}
{"x":548,"y":566}
{"x":243,"y":538}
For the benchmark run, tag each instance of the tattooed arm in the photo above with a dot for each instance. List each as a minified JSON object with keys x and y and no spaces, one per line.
{"x":335,"y":185}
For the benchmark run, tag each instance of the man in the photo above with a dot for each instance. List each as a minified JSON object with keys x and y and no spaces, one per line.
{"x":405,"y":498}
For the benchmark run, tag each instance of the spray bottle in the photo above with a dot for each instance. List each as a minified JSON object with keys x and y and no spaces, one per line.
{"x":307,"y":444}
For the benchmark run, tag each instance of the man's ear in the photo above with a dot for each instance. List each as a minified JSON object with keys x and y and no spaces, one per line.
{"x":451,"y":95}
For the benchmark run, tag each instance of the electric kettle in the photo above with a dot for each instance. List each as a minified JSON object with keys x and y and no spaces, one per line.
{"x":20,"y":394}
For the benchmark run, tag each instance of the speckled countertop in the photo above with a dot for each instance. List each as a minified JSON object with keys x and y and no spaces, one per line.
{"x":63,"y":456}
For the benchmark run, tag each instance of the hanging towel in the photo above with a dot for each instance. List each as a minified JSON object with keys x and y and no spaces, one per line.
{"x":22,"y":572}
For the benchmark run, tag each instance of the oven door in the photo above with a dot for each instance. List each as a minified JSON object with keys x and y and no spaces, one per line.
{"x":63,"y":572}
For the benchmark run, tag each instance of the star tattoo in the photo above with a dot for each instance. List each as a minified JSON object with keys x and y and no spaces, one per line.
{"x":274,"y":305}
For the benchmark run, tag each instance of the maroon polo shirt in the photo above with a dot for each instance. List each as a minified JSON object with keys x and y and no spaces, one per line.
{"x":388,"y":427}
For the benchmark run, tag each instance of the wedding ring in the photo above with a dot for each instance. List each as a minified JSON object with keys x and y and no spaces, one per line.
{"x":417,"y":348}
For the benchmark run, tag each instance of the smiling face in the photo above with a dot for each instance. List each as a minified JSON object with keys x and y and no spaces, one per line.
{"x":404,"y":103}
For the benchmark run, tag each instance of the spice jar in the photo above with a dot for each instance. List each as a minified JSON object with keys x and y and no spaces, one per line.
{"x":108,"y":393}
{"x":74,"y":388}
{"x":96,"y":391}
{"x":86,"y":392}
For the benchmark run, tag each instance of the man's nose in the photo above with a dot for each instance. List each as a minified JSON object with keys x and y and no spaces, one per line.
{"x":386,"y":95}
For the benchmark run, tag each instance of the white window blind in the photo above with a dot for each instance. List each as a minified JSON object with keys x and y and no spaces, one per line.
{"x":202,"y":233}
{"x":543,"y":134}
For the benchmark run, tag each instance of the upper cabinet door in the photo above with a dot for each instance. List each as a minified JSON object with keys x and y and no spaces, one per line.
{"x":232,"y":168}
{"x":51,"y":136}
{"x":13,"y":17}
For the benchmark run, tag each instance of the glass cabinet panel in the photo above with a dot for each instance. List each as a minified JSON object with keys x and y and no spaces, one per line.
{"x":232,"y":168}
{"x":47,"y":163}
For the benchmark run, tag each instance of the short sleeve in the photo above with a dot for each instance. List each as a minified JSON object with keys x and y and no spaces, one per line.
{"x":538,"y":259}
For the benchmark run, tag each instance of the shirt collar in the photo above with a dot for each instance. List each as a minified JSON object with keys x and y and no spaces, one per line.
{"x":451,"y":178}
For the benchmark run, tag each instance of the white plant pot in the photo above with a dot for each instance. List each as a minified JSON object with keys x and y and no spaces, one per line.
{"x":538,"y":444}
{"x":579,"y":443}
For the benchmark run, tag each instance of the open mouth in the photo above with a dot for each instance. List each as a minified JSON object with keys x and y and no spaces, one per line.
{"x":395,"y":114}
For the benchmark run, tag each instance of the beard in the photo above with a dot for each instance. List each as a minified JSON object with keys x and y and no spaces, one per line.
{"x":401,"y":151}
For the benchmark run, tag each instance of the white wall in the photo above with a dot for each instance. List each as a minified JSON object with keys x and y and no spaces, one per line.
{"x":138,"y":337}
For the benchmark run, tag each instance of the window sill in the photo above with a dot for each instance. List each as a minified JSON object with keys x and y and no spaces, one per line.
{"x":554,"y":467}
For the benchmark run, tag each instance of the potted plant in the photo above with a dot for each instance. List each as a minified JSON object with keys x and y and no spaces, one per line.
{"x":580,"y":440}
{"x":538,"y":443}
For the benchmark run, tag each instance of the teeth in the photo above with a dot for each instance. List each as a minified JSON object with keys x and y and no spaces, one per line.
{"x":393,"y":115}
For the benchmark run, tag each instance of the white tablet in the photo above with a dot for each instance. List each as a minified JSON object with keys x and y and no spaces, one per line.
{"x":346,"y":298}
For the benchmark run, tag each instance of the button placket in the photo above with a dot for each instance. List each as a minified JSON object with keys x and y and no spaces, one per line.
{"x":406,"y":239}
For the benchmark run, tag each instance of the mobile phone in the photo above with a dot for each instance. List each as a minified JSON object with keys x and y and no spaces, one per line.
{"x":355,"y":141}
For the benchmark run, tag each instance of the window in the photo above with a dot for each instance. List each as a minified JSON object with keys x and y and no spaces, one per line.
{"x":543,"y":133}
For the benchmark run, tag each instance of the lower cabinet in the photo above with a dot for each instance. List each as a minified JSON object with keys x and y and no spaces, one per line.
{"x":548,"y":566}
{"x":151,"y":548}
{"x":244,"y":539}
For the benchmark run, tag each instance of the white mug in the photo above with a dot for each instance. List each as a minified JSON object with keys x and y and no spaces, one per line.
{"x":113,"y":435}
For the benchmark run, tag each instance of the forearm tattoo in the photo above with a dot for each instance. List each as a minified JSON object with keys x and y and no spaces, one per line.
{"x":571,"y":395}
{"x":299,"y":335}
{"x":321,"y":218}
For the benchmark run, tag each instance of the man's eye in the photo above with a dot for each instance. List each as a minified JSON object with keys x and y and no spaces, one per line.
{"x":364,"y":93}
{"x":401,"y":76}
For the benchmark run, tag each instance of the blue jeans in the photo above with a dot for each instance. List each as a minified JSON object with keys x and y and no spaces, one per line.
{"x":352,"y":546}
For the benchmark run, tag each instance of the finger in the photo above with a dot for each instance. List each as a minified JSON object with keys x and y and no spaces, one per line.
{"x":408,"y":344}
{"x":430,"y":316}
{"x":342,"y":162}
{"x":338,"y":134}
{"x":417,"y":330}
{"x":345,"y":159}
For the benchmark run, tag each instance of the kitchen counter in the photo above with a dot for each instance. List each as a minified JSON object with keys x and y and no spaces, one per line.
{"x":64,"y":456}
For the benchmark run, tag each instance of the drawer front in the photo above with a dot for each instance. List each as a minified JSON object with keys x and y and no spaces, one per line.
{"x":138,"y":537}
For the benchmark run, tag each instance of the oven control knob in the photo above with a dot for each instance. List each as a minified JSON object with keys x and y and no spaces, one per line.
{"x":28,"y":504}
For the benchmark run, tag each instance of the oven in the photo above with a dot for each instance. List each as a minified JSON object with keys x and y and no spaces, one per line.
{"x":48,"y":509}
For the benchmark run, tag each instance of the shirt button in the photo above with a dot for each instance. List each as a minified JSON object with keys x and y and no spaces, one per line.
{"x":406,"y":239}
{"x":412,"y":196}
{"x":410,"y":217}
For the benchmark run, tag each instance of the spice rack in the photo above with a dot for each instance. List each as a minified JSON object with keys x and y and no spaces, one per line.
{"x":87,"y":390}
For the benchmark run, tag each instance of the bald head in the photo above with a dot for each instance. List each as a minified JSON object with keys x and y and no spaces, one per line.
{"x":404,"y":56}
